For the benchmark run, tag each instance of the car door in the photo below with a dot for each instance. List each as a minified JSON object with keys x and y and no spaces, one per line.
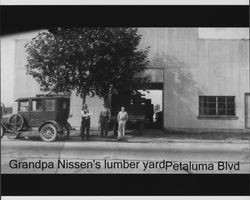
{"x":36,"y":112}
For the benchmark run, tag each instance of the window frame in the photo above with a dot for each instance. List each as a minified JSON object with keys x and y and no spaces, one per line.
{"x":216,"y":116}
{"x":19,"y":105}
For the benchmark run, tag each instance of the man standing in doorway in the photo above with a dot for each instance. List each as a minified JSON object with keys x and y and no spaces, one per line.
{"x":85,"y":125}
{"x":122,"y":119}
{"x":104,"y":119}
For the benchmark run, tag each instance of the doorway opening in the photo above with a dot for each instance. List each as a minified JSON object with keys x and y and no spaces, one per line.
{"x":153,"y":108}
{"x":145,"y":107}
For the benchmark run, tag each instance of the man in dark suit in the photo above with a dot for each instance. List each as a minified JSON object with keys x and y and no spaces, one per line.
{"x":85,"y":125}
{"x":104,"y":119}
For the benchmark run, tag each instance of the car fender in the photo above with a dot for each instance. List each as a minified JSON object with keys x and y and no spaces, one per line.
{"x":58,"y":126}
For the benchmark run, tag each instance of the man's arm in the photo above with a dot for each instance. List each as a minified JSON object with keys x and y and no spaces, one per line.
{"x":118,"y":117}
{"x":83,"y":114}
{"x":90,"y":114}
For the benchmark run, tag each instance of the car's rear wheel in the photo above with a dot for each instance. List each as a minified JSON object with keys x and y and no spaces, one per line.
{"x":48,"y":132}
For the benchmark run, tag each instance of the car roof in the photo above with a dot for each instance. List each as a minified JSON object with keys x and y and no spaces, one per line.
{"x":43,"y":97}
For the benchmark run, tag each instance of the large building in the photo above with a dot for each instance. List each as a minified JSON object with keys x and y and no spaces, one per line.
{"x":203,"y":74}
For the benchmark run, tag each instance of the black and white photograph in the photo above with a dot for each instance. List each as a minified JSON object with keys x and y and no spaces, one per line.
{"x":125,"y":100}
{"x":81,"y":99}
{"x":114,"y":94}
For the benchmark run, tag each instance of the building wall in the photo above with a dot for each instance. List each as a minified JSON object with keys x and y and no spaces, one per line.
{"x":194,"y":67}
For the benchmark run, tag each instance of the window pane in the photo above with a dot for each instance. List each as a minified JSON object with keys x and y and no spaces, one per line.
{"x":221,"y":112}
{"x":230,"y":105}
{"x":221,"y":106}
{"x":211,"y":105}
{"x":230,"y":99}
{"x":201,"y":112}
{"x":212,"y":99}
{"x":203,"y":99}
{"x":49,"y":105}
{"x":221,"y":99}
{"x":37,"y":105}
{"x":230,"y":112}
{"x":212,"y":112}
{"x":203,"y":109}
{"x":24,"y":106}
{"x":203,"y":105}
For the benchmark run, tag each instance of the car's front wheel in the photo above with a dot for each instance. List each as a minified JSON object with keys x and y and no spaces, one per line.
{"x":16,"y":122}
{"x":48,"y":132}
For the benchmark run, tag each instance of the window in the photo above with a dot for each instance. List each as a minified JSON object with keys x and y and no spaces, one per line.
{"x":49,"y":104}
{"x":37,"y":105}
{"x":217,"y":106}
{"x":24,"y":106}
{"x":65,"y":105}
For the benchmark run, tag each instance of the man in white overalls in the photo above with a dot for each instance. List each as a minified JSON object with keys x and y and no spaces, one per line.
{"x":122,"y":119}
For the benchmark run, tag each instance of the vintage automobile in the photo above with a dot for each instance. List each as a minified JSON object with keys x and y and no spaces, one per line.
{"x":46,"y":114}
